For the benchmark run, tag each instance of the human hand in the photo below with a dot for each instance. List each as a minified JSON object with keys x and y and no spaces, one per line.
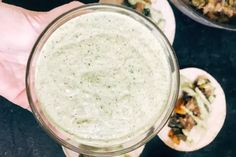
{"x":19,"y":29}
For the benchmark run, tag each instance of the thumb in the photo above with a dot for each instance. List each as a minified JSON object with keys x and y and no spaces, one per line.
{"x":51,"y":15}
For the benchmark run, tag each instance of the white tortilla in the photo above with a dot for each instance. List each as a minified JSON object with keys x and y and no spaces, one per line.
{"x":201,"y":137}
{"x":167,"y":14}
{"x":135,"y":153}
{"x":164,"y":7}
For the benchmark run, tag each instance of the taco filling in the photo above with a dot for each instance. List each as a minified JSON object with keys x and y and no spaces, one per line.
{"x":218,"y":10}
{"x":192,"y":108}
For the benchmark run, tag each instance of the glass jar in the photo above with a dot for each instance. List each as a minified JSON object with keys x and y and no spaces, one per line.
{"x":65,"y":138}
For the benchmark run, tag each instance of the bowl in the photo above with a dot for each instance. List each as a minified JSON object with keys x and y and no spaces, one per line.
{"x":62,"y":136}
{"x":185,"y":7}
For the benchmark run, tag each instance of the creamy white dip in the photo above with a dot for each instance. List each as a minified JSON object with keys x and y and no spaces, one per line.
{"x":103,"y":78}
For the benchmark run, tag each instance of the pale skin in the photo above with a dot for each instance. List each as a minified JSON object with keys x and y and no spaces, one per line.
{"x":19,"y":29}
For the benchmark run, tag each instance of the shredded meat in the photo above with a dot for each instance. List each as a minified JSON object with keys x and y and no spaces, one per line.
{"x":219,"y":10}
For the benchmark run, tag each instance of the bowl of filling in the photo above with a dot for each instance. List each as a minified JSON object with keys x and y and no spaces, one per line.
{"x":214,"y":13}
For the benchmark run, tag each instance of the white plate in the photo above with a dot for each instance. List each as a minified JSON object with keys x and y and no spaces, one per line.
{"x":135,"y":153}
{"x":201,"y":138}
{"x":164,"y":7}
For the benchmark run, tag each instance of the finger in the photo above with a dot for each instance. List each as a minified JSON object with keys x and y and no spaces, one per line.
{"x":12,"y":82}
